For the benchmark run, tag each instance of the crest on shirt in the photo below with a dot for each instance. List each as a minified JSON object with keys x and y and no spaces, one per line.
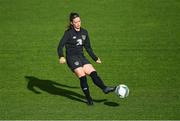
{"x":83,"y":37}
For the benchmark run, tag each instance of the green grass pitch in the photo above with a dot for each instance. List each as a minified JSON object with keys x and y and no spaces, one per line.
{"x":138,"y":42}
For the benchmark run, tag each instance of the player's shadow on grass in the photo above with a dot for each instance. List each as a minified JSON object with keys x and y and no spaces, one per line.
{"x":112,"y":104}
{"x":54,"y":88}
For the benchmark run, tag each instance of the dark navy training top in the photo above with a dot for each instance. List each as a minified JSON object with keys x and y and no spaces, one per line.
{"x":74,"y":41}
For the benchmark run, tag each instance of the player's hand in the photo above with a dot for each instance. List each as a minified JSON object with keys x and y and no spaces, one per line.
{"x":62,"y":60}
{"x":98,"y":61}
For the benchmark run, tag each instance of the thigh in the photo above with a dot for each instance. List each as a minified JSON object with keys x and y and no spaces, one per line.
{"x":88,"y":68}
{"x":79,"y":72}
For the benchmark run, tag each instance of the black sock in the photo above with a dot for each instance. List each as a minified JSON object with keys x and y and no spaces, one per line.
{"x":97,"y":80}
{"x":84,"y":86}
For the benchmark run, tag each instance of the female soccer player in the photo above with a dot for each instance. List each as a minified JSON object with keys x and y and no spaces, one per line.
{"x":74,"y":39}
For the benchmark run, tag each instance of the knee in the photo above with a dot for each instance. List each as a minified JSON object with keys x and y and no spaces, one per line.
{"x":80,"y":75}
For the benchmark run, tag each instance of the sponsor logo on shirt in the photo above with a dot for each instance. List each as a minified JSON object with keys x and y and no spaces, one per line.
{"x":79,"y":42}
{"x":74,"y":37}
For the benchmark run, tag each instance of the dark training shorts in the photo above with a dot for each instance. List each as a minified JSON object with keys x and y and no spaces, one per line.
{"x":76,"y":61}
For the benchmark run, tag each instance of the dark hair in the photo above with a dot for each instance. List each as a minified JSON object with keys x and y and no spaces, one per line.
{"x":71,"y":17}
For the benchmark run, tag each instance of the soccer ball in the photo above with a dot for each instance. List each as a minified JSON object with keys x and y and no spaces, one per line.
{"x":122,"y":91}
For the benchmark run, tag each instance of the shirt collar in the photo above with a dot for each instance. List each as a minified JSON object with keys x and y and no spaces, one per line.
{"x":76,"y":31}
